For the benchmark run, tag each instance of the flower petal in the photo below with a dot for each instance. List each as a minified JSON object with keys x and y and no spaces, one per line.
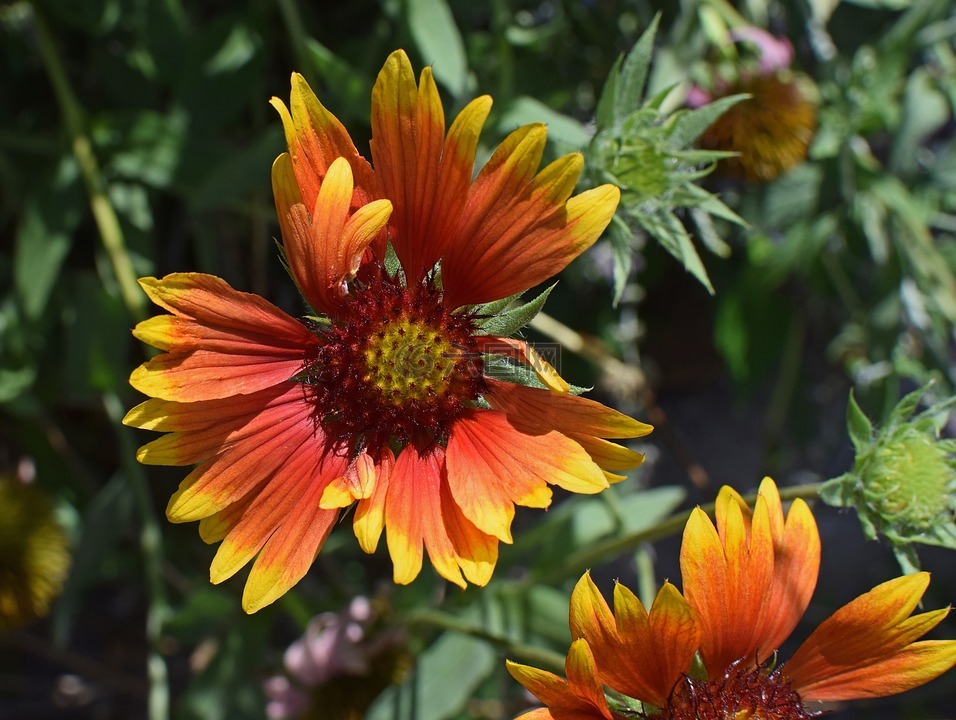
{"x":290,"y":551}
{"x":231,"y":474}
{"x":526,"y":355}
{"x":534,"y":410}
{"x":727,"y":582}
{"x":492,"y":466}
{"x":872,"y":630}
{"x":521,"y":221}
{"x":315,"y":139}
{"x":370,"y":512}
{"x":413,"y":517}
{"x":220,"y":342}
{"x":408,"y":132}
{"x":796,"y":566}
{"x":581,"y":697}
{"x":477,"y":551}
{"x":638,"y":654}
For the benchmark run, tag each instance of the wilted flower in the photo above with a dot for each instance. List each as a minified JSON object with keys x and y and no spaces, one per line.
{"x":406,"y":396}
{"x":747,"y":583}
{"x":34,"y":555}
{"x":903,"y":482}
{"x":772,"y":129}
{"x":338,"y":667}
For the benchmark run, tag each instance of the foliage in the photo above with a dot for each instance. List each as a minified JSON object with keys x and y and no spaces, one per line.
{"x":136,"y":139}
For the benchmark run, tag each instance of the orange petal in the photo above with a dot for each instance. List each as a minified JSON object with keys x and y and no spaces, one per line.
{"x":230,"y":475}
{"x":526,"y":223}
{"x":477,"y":551}
{"x":222,"y":342}
{"x":267,"y":512}
{"x":536,"y":410}
{"x":370,"y":512}
{"x":358,"y":483}
{"x":315,"y":139}
{"x":408,"y":132}
{"x":872,"y":629}
{"x":727,"y":584}
{"x":796,"y":566}
{"x":903,"y":670}
{"x":610,"y":456}
{"x":581,"y":697}
{"x":492,"y":466}
{"x":413,"y":517}
{"x":289,"y":552}
{"x":637,"y":654}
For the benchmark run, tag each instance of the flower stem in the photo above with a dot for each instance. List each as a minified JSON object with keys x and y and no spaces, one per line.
{"x":152,"y":553}
{"x":103,"y":212}
{"x":539,"y":657}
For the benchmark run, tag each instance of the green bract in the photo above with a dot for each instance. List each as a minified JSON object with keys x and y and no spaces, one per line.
{"x":903,"y":483}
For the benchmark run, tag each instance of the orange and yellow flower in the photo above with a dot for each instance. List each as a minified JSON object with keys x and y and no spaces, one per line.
{"x":381,"y":398}
{"x":704,"y":655}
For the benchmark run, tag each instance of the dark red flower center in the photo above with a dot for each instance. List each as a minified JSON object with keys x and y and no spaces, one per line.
{"x":396,"y":366}
{"x":742,"y":693}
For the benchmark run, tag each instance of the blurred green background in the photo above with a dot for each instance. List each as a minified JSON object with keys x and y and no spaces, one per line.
{"x":136,"y":139}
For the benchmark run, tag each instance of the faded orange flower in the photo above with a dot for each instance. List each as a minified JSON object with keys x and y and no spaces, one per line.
{"x":747,"y":583}
{"x":381,"y":399}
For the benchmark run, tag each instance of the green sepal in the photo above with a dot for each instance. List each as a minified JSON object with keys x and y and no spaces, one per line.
{"x":838,"y":492}
{"x":505,"y":324}
{"x":858,"y":425}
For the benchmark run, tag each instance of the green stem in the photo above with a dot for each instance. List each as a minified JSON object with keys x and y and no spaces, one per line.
{"x":539,"y":657}
{"x":103,"y":212}
{"x":295,"y":28}
{"x":595,"y":554}
{"x":152,"y":553}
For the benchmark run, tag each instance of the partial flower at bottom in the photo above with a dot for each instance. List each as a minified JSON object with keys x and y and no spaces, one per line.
{"x":747,"y":583}
{"x":398,"y":395}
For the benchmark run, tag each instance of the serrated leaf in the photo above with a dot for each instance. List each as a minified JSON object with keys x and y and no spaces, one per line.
{"x":510,"y":321}
{"x":604,"y":116}
{"x":668,"y":230}
{"x":907,"y":406}
{"x":634,"y":72}
{"x":438,"y":39}
{"x":620,"y":238}
{"x":688,"y":125}
{"x":858,"y":425}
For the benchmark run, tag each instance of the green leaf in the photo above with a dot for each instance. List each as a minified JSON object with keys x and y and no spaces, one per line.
{"x":620,"y":237}
{"x":858,"y":425}
{"x":41,"y":248}
{"x":688,"y":125}
{"x":837,"y":492}
{"x":606,"y":114}
{"x":907,"y":405}
{"x":593,"y":518}
{"x":561,"y":128}
{"x":634,"y":72}
{"x":341,"y":78}
{"x":437,"y":37}
{"x":443,"y":681}
{"x":668,"y":230}
{"x":510,"y":321}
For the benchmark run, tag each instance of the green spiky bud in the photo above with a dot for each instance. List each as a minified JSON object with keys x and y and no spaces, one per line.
{"x":903,"y":483}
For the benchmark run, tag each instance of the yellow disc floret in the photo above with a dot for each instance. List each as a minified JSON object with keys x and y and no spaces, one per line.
{"x":408,"y":360}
